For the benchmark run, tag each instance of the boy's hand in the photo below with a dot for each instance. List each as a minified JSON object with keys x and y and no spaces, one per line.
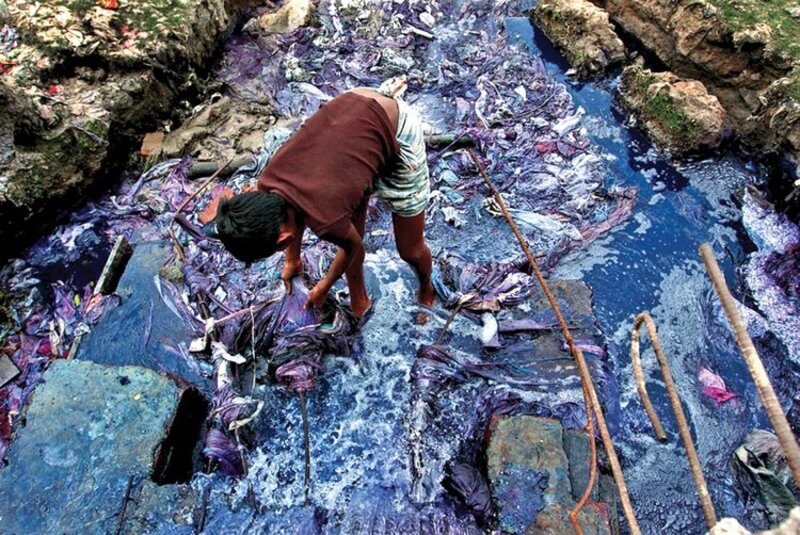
{"x":317,"y":296}
{"x":290,"y":270}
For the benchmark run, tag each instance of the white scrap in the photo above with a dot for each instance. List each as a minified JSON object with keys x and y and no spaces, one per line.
{"x":218,"y":351}
{"x":427,"y":19}
{"x":489,"y":328}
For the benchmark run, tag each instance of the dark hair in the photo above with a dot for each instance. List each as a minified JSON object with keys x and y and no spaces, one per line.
{"x":248,"y":224}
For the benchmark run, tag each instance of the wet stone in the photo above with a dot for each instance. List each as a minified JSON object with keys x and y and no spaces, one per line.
{"x":527,"y":469}
{"x":90,"y":428}
{"x":574,"y":298}
{"x":154,"y":506}
{"x":533,"y":480}
{"x":142,"y":330}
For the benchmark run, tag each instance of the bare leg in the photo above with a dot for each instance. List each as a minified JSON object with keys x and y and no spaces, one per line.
{"x":410,"y":240}
{"x":359,"y":300}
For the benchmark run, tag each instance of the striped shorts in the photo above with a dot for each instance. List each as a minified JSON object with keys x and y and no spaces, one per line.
{"x":407,"y":188}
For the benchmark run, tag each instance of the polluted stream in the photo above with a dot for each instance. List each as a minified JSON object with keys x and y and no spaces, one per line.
{"x":388,"y":416}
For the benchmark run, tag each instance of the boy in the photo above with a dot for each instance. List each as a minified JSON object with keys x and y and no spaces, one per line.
{"x":322,"y":177}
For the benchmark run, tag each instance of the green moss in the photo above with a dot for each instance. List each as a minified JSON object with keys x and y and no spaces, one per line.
{"x":745,"y":14}
{"x":793,"y":89}
{"x":660,"y":107}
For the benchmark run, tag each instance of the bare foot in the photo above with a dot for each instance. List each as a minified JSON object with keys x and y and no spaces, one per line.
{"x":360,"y":307}
{"x":426,"y":296}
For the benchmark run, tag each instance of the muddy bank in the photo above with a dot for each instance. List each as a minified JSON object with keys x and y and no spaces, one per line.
{"x":79,"y":86}
{"x":745,"y":53}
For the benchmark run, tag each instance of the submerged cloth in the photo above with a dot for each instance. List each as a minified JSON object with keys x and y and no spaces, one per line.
{"x":406,"y":189}
{"x":328,"y":167}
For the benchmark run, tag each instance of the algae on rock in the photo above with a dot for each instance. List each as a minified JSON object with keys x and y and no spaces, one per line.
{"x":680,"y":115}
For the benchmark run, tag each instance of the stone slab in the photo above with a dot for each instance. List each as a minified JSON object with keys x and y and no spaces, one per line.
{"x":527,"y":469}
{"x":554,"y":520}
{"x":8,"y":370}
{"x":142,"y":330}
{"x":89,"y":428}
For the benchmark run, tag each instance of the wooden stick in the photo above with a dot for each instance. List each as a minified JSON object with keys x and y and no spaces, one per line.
{"x":786,"y":438}
{"x":677,"y":409}
{"x":112,"y":270}
{"x":307,"y":447}
{"x":203,"y":186}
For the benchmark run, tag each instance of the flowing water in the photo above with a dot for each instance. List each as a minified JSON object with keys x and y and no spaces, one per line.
{"x":360,"y":413}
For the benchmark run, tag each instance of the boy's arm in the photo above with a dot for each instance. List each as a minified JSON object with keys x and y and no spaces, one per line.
{"x":351,"y":249}
{"x":293,"y":263}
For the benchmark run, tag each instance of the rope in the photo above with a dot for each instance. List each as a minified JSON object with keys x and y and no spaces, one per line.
{"x":786,"y":438}
{"x":583,"y":369}
{"x":587,"y":492}
{"x":677,"y":409}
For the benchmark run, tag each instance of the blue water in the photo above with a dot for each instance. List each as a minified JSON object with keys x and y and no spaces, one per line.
{"x":651,"y":264}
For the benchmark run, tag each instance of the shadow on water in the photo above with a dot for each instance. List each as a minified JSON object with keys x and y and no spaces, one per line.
{"x":651,"y":263}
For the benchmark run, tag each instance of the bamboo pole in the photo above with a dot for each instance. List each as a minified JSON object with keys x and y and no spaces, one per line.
{"x":786,"y":438}
{"x":583,"y":368}
{"x":677,"y":409}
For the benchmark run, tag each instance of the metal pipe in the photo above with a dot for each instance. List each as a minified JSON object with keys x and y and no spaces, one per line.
{"x":583,"y":369}
{"x":786,"y":438}
{"x":677,"y":409}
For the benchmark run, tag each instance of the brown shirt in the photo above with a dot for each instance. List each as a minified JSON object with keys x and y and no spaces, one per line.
{"x":326,"y":169}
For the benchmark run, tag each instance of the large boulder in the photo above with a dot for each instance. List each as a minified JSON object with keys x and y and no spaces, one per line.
{"x":80,"y":84}
{"x":582,"y":32}
{"x":678,"y":114}
{"x":95,"y":434}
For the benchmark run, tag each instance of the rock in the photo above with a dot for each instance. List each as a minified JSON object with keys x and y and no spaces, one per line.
{"x":142,"y":330}
{"x":679,"y":115}
{"x":529,"y":475}
{"x":89,"y":429}
{"x":239,"y":122}
{"x":8,"y":370}
{"x":291,"y":16}
{"x":85,"y":84}
{"x":582,"y":32}
{"x":741,"y":54}
{"x":729,"y":526}
{"x":527,"y":469}
{"x":156,"y":506}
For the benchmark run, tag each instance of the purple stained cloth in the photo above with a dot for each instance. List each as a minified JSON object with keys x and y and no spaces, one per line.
{"x":471,"y":487}
{"x":300,"y":374}
{"x":586,"y":346}
{"x":220,"y":448}
{"x":511,"y":326}
{"x":480,"y":288}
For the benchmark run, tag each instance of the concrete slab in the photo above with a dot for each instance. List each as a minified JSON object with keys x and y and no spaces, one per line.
{"x":89,"y":429}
